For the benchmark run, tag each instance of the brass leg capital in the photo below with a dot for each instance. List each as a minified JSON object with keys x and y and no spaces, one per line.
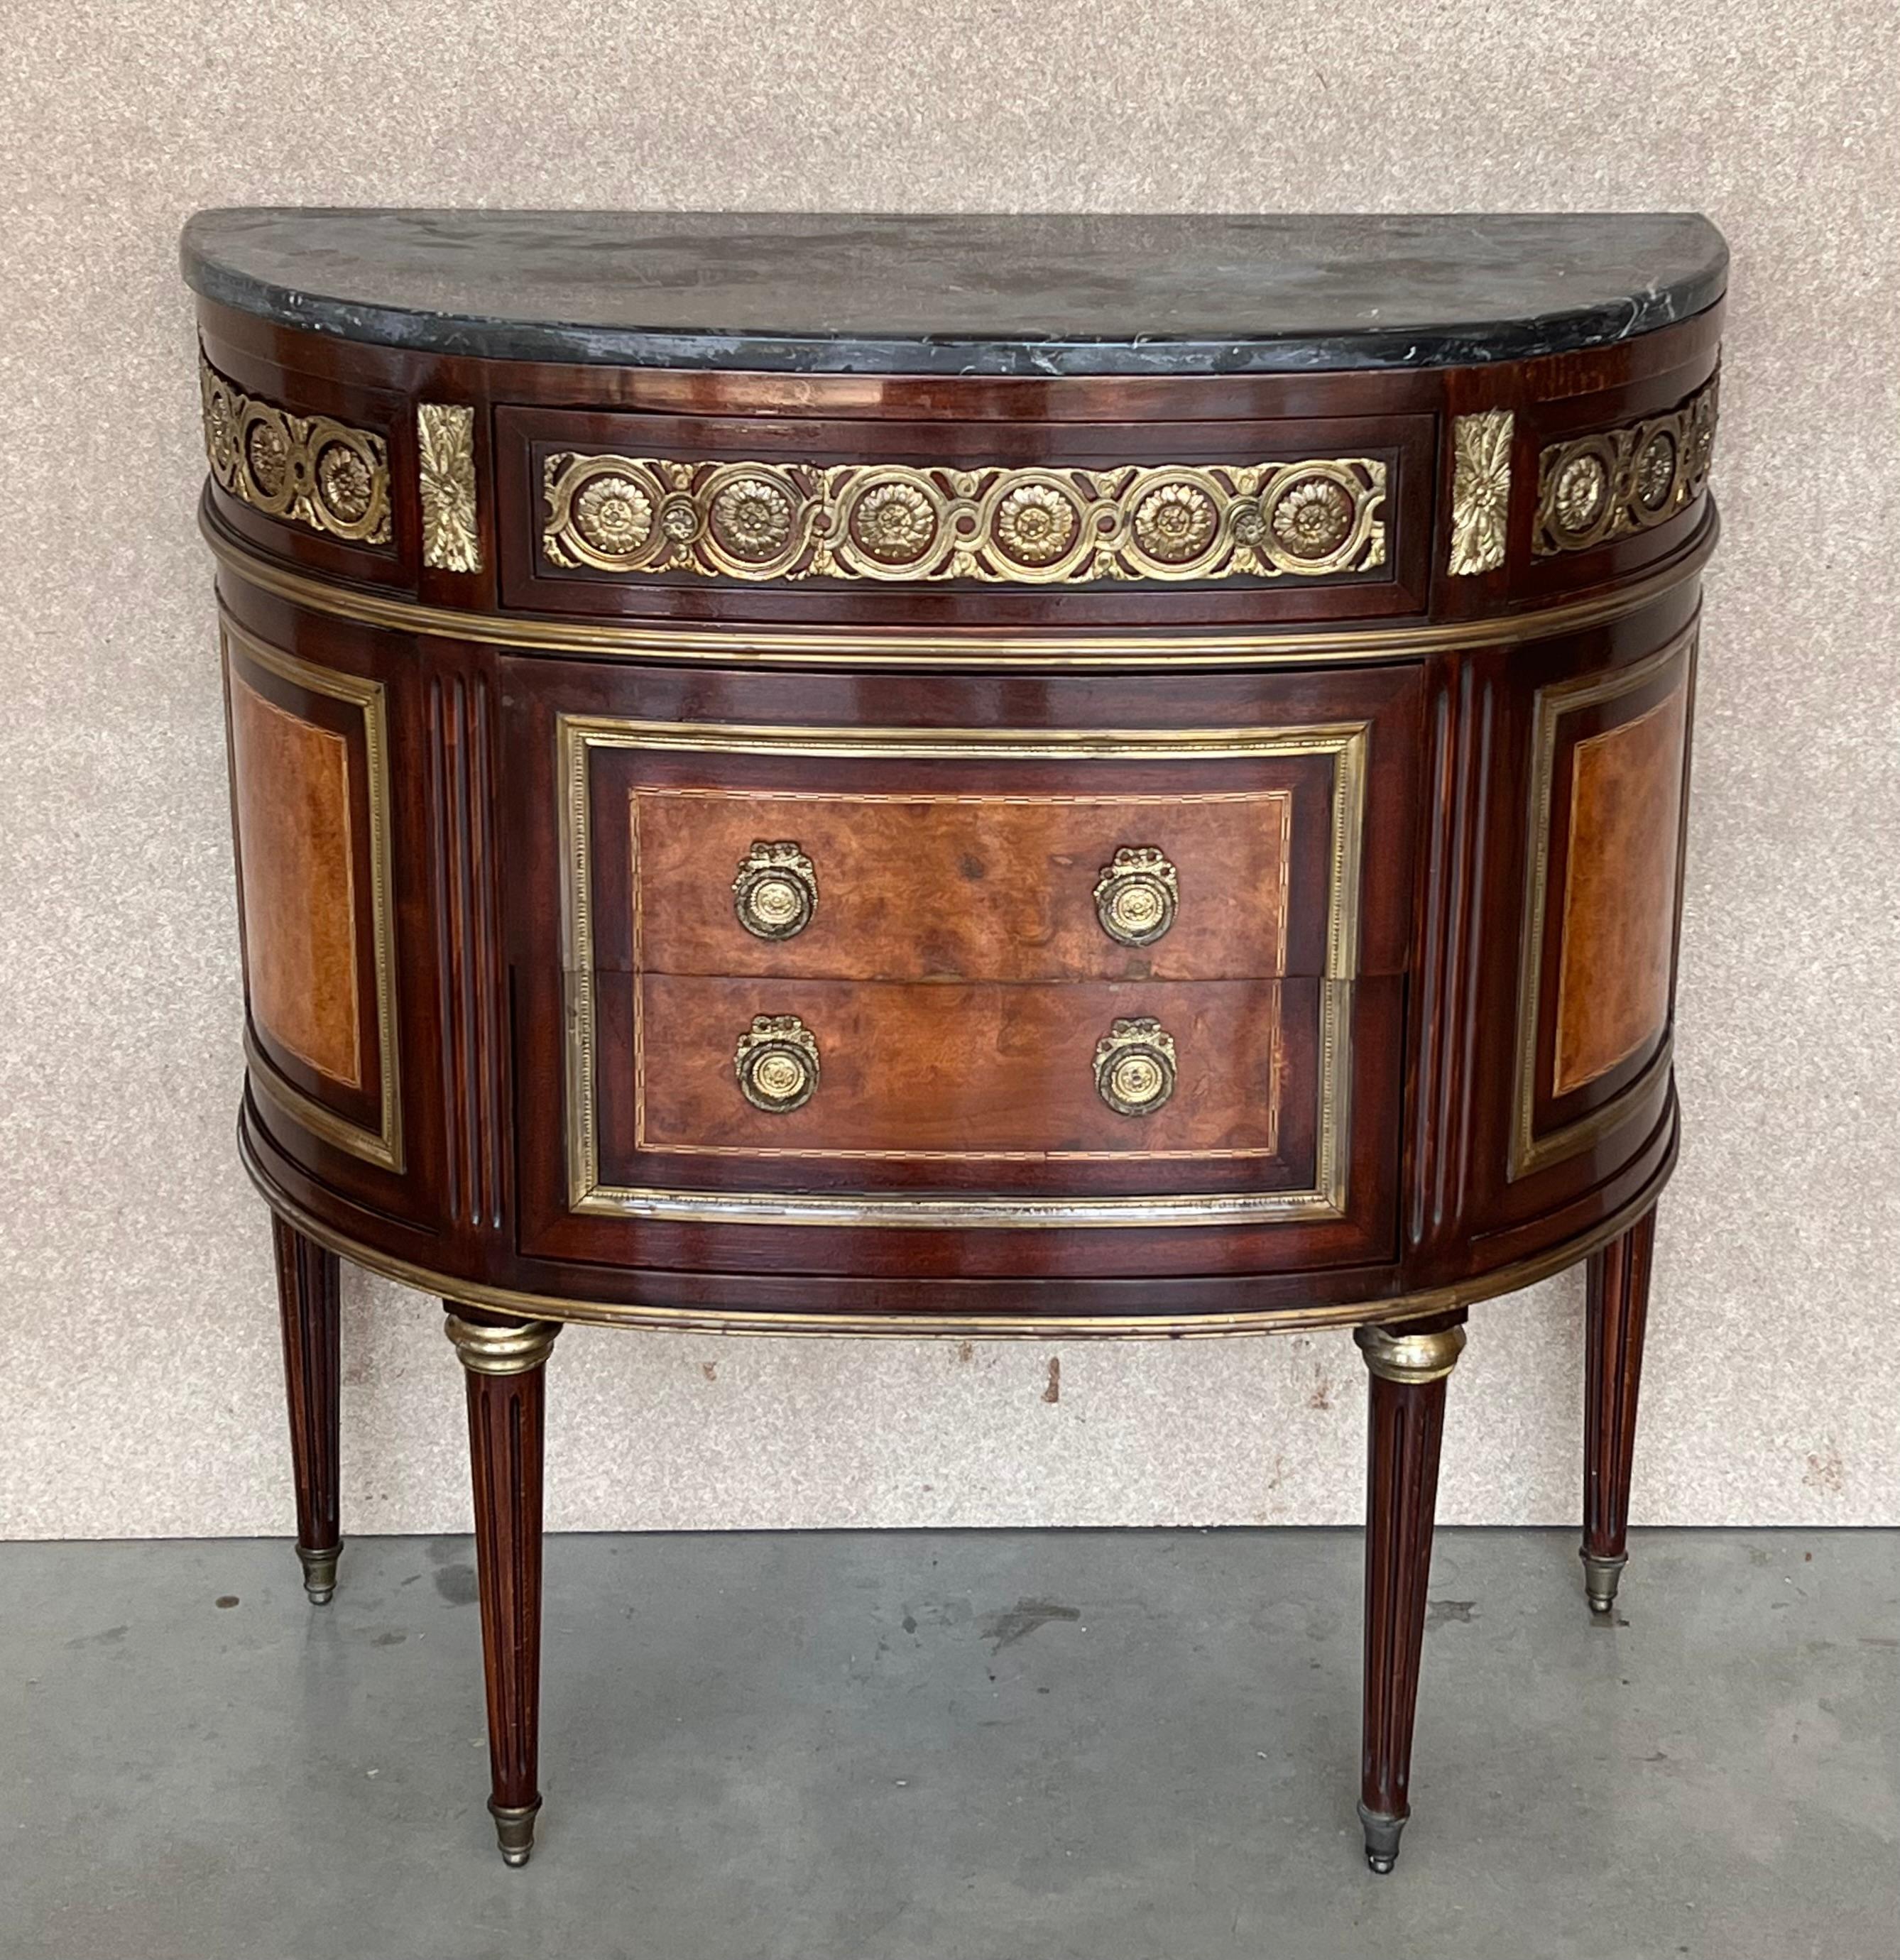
{"x":514,"y":1830}
{"x":1401,"y":1356}
{"x":319,"y":1571}
{"x":1601,"y":1575}
{"x":486,"y":1348}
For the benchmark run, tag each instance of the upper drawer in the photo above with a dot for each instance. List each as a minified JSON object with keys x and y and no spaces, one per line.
{"x":610,"y":514}
{"x":886,"y":884}
{"x":966,"y":854}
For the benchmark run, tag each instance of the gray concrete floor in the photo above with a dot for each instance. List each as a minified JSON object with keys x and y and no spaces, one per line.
{"x":1004,"y":1746}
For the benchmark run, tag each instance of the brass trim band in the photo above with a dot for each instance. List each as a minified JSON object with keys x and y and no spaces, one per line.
{"x":577,"y":737}
{"x":1427,"y":1301}
{"x":746,"y":644}
{"x":1394,"y":1355}
{"x":486,"y":1350}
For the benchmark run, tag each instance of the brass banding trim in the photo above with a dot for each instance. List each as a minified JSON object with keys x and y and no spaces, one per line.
{"x":577,"y":737}
{"x":744,"y":643}
{"x":1416,"y":1306}
{"x":501,"y":1350}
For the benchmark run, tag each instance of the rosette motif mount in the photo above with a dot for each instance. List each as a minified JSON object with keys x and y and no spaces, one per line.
{"x":914,"y":523}
{"x":1613,"y":482}
{"x":301,"y":469}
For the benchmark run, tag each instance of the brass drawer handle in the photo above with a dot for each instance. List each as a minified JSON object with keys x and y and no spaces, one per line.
{"x":776,"y":892}
{"x":1135,"y":896}
{"x":777,"y":1063}
{"x":1134,"y":1067}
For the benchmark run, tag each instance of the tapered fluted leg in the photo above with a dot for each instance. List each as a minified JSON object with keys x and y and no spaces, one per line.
{"x":307,"y":1300}
{"x":1408,"y":1368}
{"x":1619,"y":1294}
{"x":504,"y":1360}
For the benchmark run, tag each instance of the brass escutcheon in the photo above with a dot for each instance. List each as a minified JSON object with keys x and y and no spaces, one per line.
{"x":1134,"y":1067}
{"x":776,"y":892}
{"x":777,"y":1063}
{"x":1135,"y":896}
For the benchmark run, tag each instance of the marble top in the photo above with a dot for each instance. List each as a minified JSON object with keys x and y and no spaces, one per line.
{"x":1037,"y":295}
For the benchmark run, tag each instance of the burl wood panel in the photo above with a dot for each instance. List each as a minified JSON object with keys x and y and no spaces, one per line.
{"x":1619,"y":904}
{"x":297,"y":871}
{"x":949,"y":887}
{"x":960,"y":1071}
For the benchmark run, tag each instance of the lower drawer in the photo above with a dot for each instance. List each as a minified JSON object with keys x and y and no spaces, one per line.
{"x":963,"y":1073}
{"x":1224,"y":1125}
{"x":740,"y":1085}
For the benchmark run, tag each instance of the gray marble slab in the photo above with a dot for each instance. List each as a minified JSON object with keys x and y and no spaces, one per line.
{"x":1036,"y":295}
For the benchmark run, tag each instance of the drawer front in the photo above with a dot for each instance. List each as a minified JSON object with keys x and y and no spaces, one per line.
{"x":887,"y":885}
{"x":982,"y":1075}
{"x":606,"y":512}
{"x":849,"y":1102}
{"x":942,"y":971}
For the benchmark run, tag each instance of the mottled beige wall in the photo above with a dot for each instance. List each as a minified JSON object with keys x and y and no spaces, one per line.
{"x":138,"y":1389}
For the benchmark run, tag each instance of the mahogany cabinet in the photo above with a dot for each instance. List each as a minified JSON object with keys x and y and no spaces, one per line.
{"x":1036,"y":777}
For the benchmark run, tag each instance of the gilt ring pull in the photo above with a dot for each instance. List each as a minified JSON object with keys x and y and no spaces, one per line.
{"x":1134,"y":1067}
{"x":776,"y":892}
{"x":1135,"y":896}
{"x":777,"y":1063}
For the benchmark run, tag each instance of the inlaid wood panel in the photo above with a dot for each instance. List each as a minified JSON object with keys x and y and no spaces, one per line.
{"x":296,"y":856}
{"x":1619,"y":895}
{"x":1608,"y":767}
{"x":311,"y":809}
{"x":966,"y":887}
